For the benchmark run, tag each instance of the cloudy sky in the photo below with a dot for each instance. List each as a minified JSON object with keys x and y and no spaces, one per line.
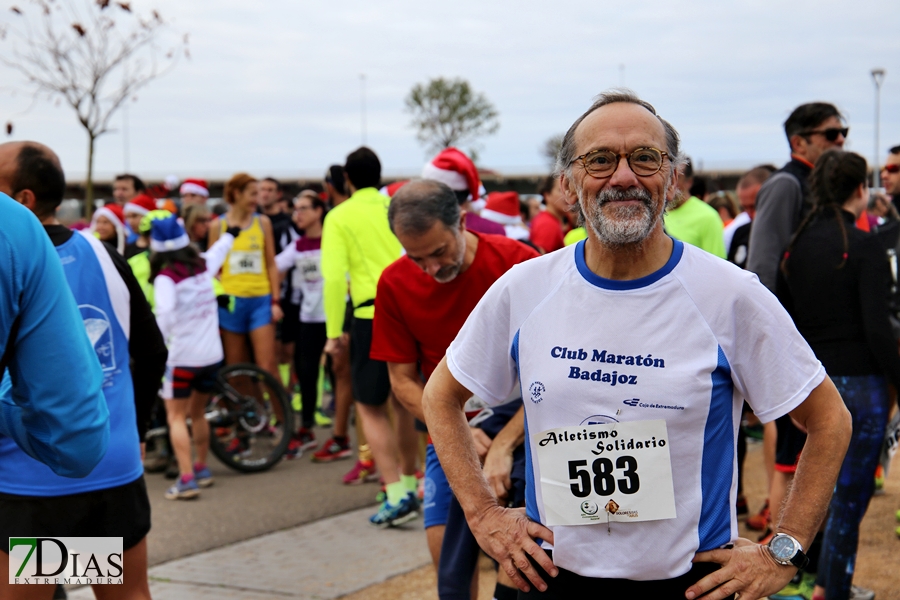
{"x":274,"y":87}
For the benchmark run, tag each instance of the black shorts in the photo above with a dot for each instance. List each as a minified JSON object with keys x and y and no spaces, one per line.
{"x":371,"y":382}
{"x":570,"y":585}
{"x":122,"y":511}
{"x":788,"y":446}
{"x":179,"y":381}
{"x":289,"y":326}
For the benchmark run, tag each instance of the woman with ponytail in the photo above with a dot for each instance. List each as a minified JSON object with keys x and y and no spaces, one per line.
{"x":837,"y":281}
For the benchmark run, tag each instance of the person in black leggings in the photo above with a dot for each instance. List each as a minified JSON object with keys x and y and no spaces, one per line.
{"x":306,"y":313}
{"x":835,"y":284}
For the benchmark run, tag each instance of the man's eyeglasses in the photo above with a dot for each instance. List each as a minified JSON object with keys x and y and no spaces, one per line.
{"x":603,"y":163}
{"x":831,"y":134}
{"x":892,"y":169}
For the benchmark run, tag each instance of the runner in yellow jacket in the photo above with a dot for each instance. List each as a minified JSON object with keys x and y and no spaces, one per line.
{"x":357,"y":245}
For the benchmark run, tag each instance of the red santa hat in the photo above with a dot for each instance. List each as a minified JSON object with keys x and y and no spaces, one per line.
{"x":454,"y":169}
{"x":194,"y":186}
{"x":116,"y":216}
{"x":391,"y":189}
{"x":503,"y":208}
{"x":140,"y":204}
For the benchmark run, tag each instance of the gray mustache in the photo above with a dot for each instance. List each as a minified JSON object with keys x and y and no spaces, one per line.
{"x":615,"y":195}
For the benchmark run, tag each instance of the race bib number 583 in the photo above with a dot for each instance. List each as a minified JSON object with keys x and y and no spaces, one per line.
{"x":616,"y":472}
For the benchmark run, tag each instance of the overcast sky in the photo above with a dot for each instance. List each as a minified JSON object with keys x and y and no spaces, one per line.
{"x":274,"y":87}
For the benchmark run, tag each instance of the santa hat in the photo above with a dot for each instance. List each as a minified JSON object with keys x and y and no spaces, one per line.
{"x":454,"y":169}
{"x":167,"y":235}
{"x":140,"y":204}
{"x":503,"y":208}
{"x":194,"y":186}
{"x":113,"y":212}
{"x":391,"y":189}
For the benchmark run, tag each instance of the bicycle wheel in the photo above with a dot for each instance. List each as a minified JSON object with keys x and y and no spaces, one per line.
{"x":250,"y":418}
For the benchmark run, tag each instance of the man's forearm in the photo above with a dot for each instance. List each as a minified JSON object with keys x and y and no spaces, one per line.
{"x":409,"y":393}
{"x":453,"y":443}
{"x":813,"y":485}
{"x":513,"y":433}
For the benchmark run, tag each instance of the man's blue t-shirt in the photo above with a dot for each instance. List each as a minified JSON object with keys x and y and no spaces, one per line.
{"x":51,"y":404}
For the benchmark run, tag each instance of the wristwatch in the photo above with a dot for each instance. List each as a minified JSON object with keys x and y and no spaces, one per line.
{"x":786,"y":550}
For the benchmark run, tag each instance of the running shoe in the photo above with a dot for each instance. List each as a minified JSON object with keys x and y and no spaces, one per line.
{"x":203,"y":476}
{"x":238,"y":447}
{"x":322,"y":420}
{"x":760,"y":521}
{"x":300,"y":441}
{"x":860,"y":593}
{"x":879,"y":480}
{"x":393,"y":515}
{"x":183,"y":490}
{"x":333,"y":450}
{"x":799,"y":588}
{"x":362,"y":472}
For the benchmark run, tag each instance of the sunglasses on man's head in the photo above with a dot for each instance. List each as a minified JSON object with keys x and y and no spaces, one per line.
{"x":831,"y":134}
{"x":892,"y":169}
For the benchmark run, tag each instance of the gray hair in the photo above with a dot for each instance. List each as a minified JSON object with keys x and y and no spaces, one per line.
{"x":567,"y":148}
{"x":418,"y":205}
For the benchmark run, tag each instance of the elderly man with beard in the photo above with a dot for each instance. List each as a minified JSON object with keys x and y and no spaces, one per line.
{"x":633,"y":371}
{"x":422,"y":301}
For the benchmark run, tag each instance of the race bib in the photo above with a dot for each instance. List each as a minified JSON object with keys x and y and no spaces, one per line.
{"x":245,"y":263}
{"x":611,"y":472}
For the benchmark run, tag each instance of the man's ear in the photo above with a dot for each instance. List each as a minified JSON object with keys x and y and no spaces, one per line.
{"x":26,"y":198}
{"x":797,"y":142}
{"x":462,"y":220}
{"x":567,"y":187}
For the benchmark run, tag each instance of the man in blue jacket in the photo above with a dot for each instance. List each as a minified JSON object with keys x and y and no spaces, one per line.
{"x":111,"y":501}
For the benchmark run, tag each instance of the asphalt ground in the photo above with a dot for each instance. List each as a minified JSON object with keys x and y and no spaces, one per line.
{"x":240,"y":506}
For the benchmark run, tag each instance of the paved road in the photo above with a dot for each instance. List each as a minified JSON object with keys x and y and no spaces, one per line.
{"x":242,"y":506}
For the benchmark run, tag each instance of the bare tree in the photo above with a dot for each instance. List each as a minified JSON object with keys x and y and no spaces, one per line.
{"x":447,"y":112}
{"x":550,"y":149}
{"x":91,"y":54}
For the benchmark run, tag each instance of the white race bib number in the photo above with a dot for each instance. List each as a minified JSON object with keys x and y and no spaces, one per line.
{"x":611,"y":472}
{"x":245,"y":263}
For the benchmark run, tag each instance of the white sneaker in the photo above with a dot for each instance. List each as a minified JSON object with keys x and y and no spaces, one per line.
{"x":860,"y":593}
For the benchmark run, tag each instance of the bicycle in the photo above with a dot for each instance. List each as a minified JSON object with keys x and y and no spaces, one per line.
{"x":250,"y":419}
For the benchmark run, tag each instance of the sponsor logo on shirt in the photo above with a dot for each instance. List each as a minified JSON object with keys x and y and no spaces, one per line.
{"x":535,"y":390}
{"x":636,"y":402}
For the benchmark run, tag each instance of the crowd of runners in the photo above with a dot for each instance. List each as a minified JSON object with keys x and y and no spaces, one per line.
{"x":584,"y":369}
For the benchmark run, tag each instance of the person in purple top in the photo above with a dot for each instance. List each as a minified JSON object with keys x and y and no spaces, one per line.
{"x":306,"y":311}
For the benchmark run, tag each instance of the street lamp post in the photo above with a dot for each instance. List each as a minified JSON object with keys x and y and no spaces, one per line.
{"x":362,"y":102}
{"x":877,"y":77}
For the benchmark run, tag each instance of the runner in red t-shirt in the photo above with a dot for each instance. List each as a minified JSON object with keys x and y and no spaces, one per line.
{"x":422,"y":301}
{"x":549,"y":226}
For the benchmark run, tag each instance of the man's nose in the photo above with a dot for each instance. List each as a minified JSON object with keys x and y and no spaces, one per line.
{"x":623,"y":176}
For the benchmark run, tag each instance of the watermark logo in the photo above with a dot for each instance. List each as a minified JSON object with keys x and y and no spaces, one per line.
{"x":65,"y":560}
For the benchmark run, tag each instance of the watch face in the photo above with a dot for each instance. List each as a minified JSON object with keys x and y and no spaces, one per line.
{"x":783,"y":547}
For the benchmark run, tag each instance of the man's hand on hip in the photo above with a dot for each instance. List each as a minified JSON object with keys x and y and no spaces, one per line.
{"x":507,"y":535}
{"x":747,"y":569}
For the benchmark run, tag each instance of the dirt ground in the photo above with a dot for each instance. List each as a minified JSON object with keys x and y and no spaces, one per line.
{"x":877,"y":566}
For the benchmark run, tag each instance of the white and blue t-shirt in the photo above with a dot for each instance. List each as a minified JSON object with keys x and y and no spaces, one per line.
{"x":686,"y":344}
{"x":103,"y":301}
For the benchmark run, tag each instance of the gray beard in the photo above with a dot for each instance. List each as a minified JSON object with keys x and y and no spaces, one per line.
{"x":449,"y":273}
{"x":616,"y":225}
